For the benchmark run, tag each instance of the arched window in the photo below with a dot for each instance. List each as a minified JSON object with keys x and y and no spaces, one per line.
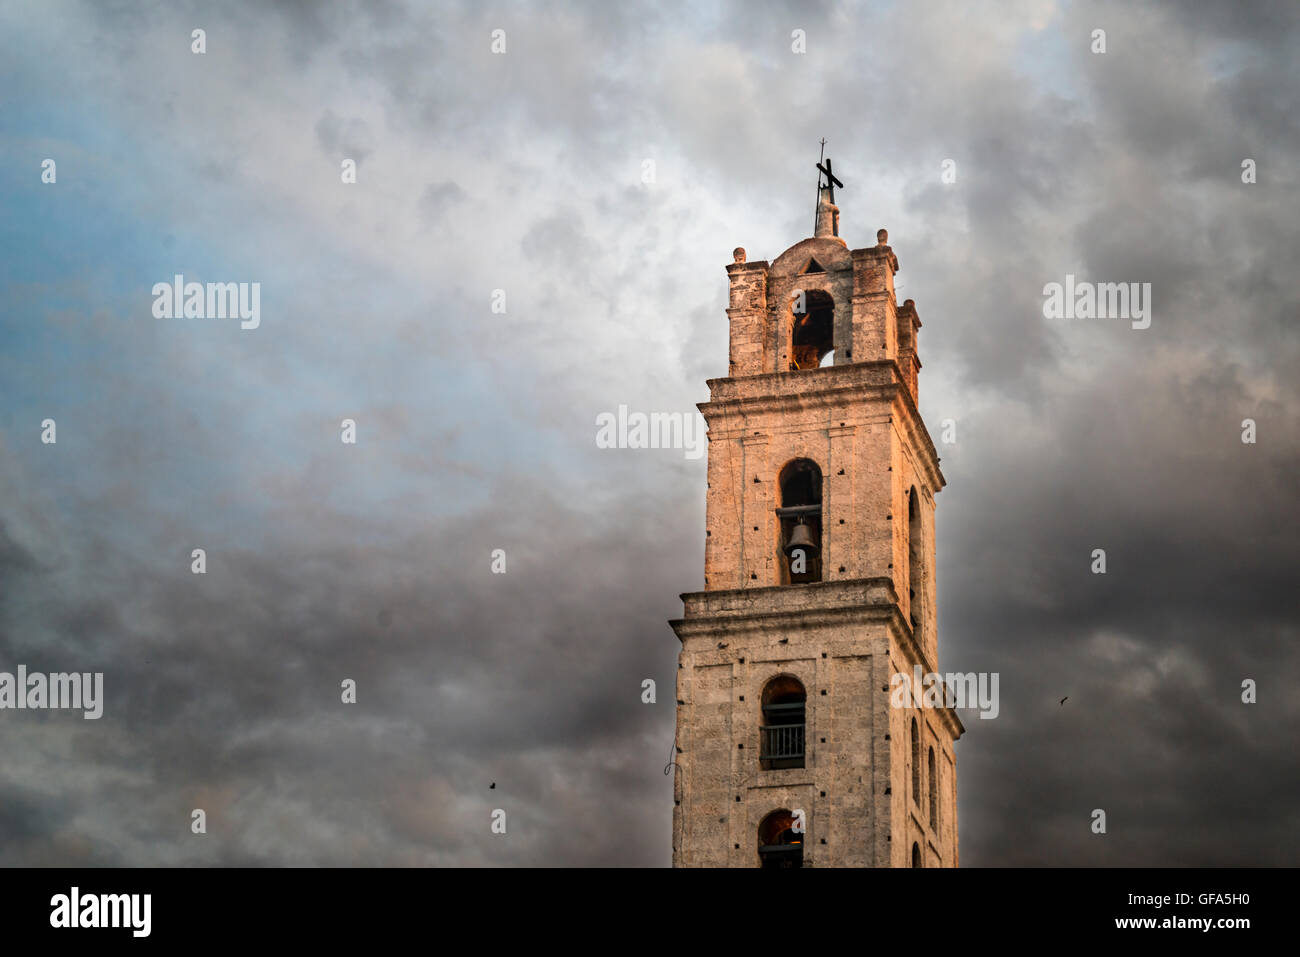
{"x":916,"y":765}
{"x":934,"y":794}
{"x":779,"y":844}
{"x":812,"y":329}
{"x":781,"y":742}
{"x":915,"y":549}
{"x":916,"y":854}
{"x":800,"y":514}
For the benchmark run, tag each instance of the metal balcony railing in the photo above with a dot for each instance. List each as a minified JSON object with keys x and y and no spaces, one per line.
{"x":782,"y":742}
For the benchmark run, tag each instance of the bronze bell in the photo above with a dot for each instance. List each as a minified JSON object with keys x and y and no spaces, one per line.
{"x":800,"y":537}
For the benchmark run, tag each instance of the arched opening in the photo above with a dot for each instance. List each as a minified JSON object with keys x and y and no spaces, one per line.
{"x":933,"y":788}
{"x":812,"y":329}
{"x":915,"y":571}
{"x":800,"y":513}
{"x":784,"y":716}
{"x":916,"y":765}
{"x":779,"y":844}
{"x":916,"y":854}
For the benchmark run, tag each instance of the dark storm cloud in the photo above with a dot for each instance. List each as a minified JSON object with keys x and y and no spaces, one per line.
{"x":1197,"y":597}
{"x":340,"y":137}
{"x":223,"y":689}
{"x":531,"y":679}
{"x":14,"y":559}
{"x":437,"y":199}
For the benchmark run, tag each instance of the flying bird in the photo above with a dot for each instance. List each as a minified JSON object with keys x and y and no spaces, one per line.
{"x":492,"y":786}
{"x":1065,"y":699}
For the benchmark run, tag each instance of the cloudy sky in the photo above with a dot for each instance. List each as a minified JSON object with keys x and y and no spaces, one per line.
{"x":523,"y":172}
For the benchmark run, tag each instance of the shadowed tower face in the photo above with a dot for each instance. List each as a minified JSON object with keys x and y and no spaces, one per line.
{"x":793,"y":749}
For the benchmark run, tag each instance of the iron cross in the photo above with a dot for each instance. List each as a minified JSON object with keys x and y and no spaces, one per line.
{"x":831,"y":181}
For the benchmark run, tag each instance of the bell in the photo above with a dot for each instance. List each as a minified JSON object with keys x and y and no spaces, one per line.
{"x":800,"y":537}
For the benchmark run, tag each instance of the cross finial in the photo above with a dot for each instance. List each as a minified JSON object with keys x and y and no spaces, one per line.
{"x":826,"y":219}
{"x":831,"y":180}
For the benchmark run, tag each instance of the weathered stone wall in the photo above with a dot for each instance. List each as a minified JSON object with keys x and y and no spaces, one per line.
{"x":722,"y":791}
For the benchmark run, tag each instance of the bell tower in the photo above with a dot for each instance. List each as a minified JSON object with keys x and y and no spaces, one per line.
{"x":818,"y":579}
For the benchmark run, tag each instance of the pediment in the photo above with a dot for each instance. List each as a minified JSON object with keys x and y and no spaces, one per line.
{"x":828,"y":254}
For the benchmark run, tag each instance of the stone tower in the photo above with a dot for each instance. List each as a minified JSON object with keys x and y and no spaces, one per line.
{"x":819,"y":581}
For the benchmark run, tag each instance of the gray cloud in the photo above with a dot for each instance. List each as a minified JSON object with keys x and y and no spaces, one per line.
{"x":438,"y":198}
{"x":340,"y":137}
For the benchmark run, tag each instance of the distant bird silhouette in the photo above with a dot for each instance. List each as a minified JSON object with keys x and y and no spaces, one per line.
{"x":783,"y":641}
{"x":722,"y":644}
{"x":492,"y":786}
{"x":1065,"y":699}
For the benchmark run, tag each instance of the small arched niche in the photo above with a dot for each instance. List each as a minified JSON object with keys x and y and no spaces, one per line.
{"x":812,"y":329}
{"x":915,"y":563}
{"x":779,"y":844}
{"x":785,"y":703}
{"x":916,"y":765}
{"x":932,"y":788}
{"x":800,"y":514}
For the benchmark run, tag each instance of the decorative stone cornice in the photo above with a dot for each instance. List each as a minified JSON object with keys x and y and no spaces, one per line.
{"x":785,"y":392}
{"x":740,"y":611}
